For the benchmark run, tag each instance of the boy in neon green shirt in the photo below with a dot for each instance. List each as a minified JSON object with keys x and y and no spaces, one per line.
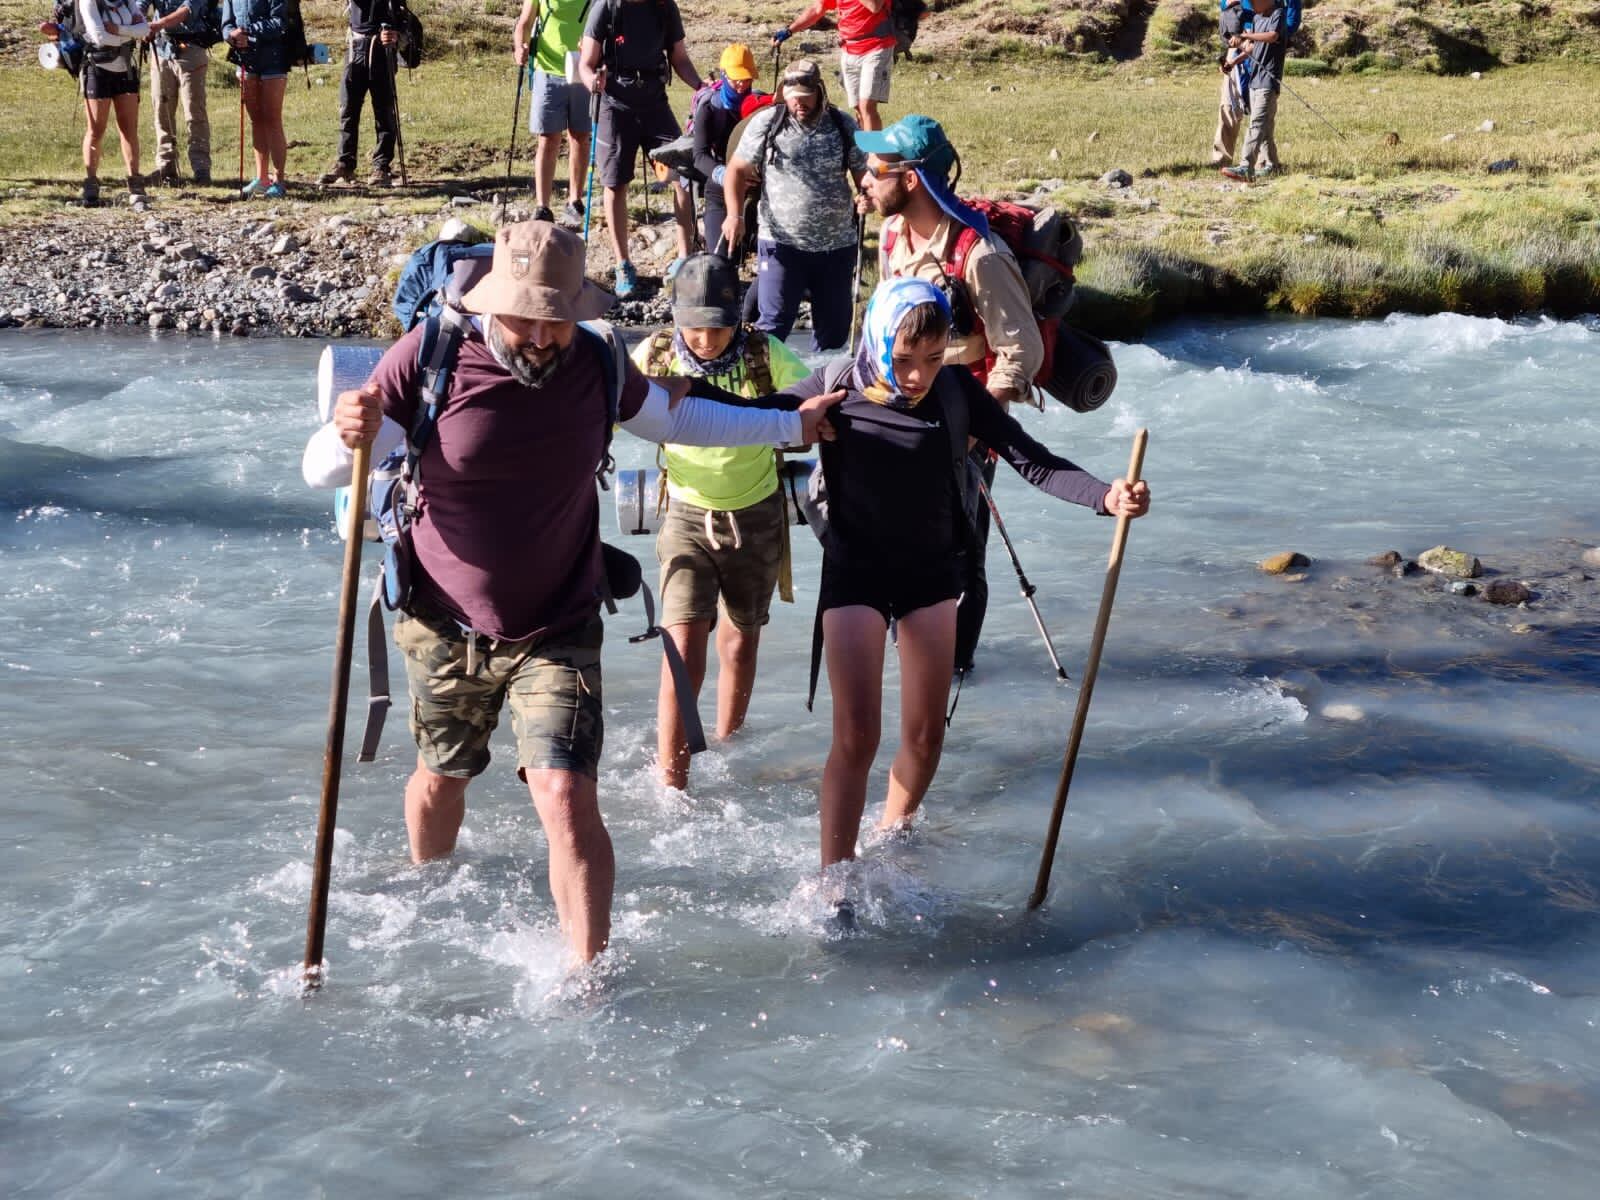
{"x":560,"y":104}
{"x":724,"y":543}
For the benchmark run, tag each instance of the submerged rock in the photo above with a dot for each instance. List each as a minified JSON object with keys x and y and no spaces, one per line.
{"x":1461,"y":587}
{"x":1507,"y":591}
{"x":1591,"y":557}
{"x":1280,"y":564}
{"x":1389,"y":558}
{"x":1344,"y":712}
{"x":1453,"y":564}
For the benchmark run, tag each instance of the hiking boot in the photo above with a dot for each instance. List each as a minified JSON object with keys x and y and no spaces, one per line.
{"x":674,"y":267}
{"x":380,"y":178}
{"x":252,"y":189}
{"x":572,"y":215}
{"x":1238,"y":174}
{"x":1263,"y":172}
{"x":90,"y":194}
{"x":338,"y":173}
{"x":543,"y":213}
{"x":136,"y":197}
{"x":166,"y":176}
{"x":627,"y":280}
{"x":274,"y":190}
{"x":202,"y":178}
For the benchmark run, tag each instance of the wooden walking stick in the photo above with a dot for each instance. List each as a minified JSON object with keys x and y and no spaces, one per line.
{"x":241,"y":128}
{"x":1119,"y":541}
{"x":333,"y":753}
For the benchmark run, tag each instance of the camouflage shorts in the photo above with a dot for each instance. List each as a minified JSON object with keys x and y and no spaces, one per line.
{"x":552,"y":684}
{"x":696,"y":572}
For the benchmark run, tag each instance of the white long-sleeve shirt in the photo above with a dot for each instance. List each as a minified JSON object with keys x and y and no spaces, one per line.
{"x":127,"y":17}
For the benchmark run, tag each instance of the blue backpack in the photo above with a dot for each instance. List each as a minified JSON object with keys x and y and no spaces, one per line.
{"x":426,"y":276}
{"x":1293,"y":11}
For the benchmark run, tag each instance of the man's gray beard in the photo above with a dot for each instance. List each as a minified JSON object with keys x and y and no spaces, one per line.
{"x":528,"y":374}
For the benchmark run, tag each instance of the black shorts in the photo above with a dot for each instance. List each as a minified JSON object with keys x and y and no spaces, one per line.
{"x":647,"y":122}
{"x":893,"y":591}
{"x":104,"y":85}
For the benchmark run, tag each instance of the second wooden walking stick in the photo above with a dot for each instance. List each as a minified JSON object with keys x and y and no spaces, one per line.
{"x":1119,"y":541}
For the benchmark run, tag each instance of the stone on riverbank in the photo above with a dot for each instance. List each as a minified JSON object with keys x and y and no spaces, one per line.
{"x":1507,"y":591}
{"x":1282,"y":564}
{"x":1452,"y":564}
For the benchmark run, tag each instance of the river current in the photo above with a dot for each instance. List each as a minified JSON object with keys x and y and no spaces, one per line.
{"x":1323,"y":923}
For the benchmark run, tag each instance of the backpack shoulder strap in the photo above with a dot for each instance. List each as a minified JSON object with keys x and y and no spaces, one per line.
{"x":961,"y":251}
{"x":845,"y":140}
{"x":614,"y":366}
{"x":758,"y":362}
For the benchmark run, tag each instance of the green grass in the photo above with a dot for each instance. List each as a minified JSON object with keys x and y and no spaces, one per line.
{"x":1355,"y":226}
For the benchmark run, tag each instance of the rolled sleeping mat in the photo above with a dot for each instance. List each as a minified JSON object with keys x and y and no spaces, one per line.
{"x":642,"y":500}
{"x":641,"y":495}
{"x":1082,"y":374}
{"x":340,"y":369}
{"x":677,"y":154}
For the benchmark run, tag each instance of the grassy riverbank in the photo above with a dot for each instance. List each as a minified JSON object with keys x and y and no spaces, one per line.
{"x":1360,"y":223}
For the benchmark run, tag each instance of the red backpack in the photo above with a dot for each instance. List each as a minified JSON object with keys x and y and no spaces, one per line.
{"x":1046,"y":245}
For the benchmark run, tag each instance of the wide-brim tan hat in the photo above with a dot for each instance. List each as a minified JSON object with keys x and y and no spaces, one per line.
{"x":538,"y":274}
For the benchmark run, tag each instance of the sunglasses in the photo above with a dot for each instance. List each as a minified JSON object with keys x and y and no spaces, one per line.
{"x":879,"y":169}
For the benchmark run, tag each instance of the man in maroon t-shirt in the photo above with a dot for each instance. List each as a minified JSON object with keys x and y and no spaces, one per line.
{"x":866,"y":51}
{"x":507,"y":565}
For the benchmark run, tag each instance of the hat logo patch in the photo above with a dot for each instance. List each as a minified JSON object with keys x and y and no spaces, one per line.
{"x":521,"y":264}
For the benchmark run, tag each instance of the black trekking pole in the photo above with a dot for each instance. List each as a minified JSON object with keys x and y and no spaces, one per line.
{"x":1314,"y":112}
{"x":1022,"y":580}
{"x":855,"y":279}
{"x":511,"y":151}
{"x":394,"y":96}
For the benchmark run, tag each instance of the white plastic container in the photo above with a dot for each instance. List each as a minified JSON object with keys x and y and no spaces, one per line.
{"x":340,"y":369}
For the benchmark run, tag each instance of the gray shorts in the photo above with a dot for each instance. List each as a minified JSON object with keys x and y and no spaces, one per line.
{"x":558,"y":106}
{"x":648,"y":122}
{"x":866,"y":76}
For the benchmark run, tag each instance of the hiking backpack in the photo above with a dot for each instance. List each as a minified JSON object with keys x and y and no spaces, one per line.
{"x":427,"y":275}
{"x":906,"y":15}
{"x":1047,"y":247}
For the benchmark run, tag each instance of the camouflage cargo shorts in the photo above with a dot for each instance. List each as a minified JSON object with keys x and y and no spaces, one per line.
{"x":552,"y":685}
{"x":697,"y":571}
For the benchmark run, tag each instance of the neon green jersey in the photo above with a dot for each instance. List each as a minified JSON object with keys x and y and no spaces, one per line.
{"x":726,"y":478}
{"x":560,"y":34}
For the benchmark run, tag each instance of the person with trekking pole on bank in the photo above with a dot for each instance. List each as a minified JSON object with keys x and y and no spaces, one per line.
{"x":369,"y":75}
{"x":550,"y":31}
{"x":930,"y":234}
{"x":505,"y":570}
{"x":630,"y":49}
{"x":1265,"y":46}
{"x":257,"y":33}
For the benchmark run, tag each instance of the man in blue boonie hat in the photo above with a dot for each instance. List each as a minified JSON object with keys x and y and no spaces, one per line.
{"x":930,"y":234}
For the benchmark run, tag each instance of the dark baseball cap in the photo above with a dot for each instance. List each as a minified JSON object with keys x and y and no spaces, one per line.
{"x":705,"y":293}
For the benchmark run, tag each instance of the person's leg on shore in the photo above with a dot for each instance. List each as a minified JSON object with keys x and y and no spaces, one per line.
{"x":926,"y":641}
{"x":164,"y":86}
{"x":1267,"y":154}
{"x":272,"y":91}
{"x":547,"y":121}
{"x":1227,"y":134}
{"x":672,"y":744}
{"x":615,"y":152}
{"x":126,"y":108}
{"x":96,"y":116}
{"x":873,"y":88}
{"x":384,"y":98}
{"x":544,"y":168}
{"x":192,"y":66}
{"x":352,"y":95}
{"x":853,"y":640}
{"x":582,"y":867}
{"x":1257,"y":131}
{"x":250,"y":94}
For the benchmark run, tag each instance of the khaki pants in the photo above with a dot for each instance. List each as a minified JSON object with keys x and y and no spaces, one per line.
{"x":1260,"y":142}
{"x":171,"y":79}
{"x":1222,"y":142}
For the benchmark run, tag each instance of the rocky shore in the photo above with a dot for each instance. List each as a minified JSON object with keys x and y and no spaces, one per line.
{"x":247,"y":270}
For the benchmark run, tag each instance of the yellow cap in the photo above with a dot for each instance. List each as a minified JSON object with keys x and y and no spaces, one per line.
{"x":738,"y":63}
